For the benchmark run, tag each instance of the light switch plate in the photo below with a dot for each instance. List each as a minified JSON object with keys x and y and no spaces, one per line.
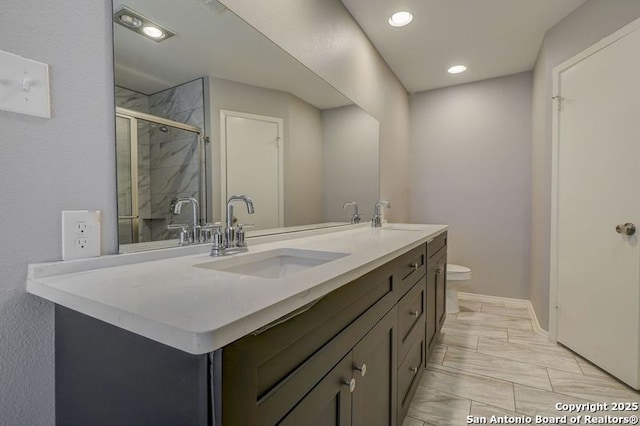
{"x":24,"y":85}
{"x":80,"y":234}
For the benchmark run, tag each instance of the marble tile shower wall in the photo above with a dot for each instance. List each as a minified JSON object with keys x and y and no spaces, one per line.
{"x":168,"y":165}
{"x":174,"y":154}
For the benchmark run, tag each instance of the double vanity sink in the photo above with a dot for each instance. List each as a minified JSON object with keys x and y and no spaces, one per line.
{"x":190,"y":334}
{"x":198,"y":304}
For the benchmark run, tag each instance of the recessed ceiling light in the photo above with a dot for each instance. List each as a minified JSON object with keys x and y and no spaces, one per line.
{"x":144,"y":26}
{"x":153,"y":32}
{"x":400,"y":19}
{"x":130,"y":21}
{"x":457,"y":69}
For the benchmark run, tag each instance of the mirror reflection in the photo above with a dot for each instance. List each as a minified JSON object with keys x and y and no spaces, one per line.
{"x":215,"y":110}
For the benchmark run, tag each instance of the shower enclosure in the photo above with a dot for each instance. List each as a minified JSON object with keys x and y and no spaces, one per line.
{"x":158,"y":161}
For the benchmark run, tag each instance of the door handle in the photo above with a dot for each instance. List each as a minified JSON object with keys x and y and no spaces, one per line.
{"x":626,"y":229}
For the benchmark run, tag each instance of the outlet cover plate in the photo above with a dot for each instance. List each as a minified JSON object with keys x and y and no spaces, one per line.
{"x":80,"y":234}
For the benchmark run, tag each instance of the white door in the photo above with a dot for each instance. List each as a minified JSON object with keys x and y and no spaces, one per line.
{"x":252,"y":157}
{"x":598,"y":187}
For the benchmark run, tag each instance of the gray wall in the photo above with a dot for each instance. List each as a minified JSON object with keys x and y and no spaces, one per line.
{"x":350,"y":158}
{"x":47,"y":165}
{"x":323,"y":36}
{"x":303,"y":187}
{"x":470,"y":168}
{"x":589,"y":23}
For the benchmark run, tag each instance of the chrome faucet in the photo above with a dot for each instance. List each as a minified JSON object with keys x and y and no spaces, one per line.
{"x":355,"y":217}
{"x":376,"y":220}
{"x":232,"y":240}
{"x":193,"y":235}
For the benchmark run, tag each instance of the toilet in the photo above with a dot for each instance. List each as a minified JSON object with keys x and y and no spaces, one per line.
{"x":456,"y":275}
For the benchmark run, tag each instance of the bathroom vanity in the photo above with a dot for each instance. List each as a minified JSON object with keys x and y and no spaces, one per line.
{"x":336,"y":330}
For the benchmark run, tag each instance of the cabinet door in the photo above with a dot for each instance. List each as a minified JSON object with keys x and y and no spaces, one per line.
{"x":329,"y":402}
{"x":375,"y":365}
{"x":409,"y":373}
{"x":441,"y":288}
{"x":432,"y":318}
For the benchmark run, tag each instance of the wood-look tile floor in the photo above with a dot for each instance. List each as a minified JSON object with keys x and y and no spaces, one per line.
{"x":491,"y":362}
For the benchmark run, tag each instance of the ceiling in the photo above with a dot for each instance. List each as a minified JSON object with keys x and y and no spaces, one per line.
{"x":491,"y":37}
{"x":209,"y":41}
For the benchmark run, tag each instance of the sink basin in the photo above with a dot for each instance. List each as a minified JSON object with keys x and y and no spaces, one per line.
{"x":273,"y":263}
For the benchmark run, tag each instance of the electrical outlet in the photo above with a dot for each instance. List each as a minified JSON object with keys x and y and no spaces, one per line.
{"x":80,"y":234}
{"x":81,"y":227}
{"x":80,"y":243}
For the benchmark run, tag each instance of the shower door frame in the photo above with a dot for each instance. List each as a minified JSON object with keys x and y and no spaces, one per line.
{"x":133,"y":117}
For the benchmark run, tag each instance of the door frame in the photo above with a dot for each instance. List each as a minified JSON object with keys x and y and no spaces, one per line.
{"x":224,"y":113}
{"x":556,"y":101}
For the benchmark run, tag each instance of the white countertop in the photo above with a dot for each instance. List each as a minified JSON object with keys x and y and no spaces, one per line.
{"x":162,"y":296}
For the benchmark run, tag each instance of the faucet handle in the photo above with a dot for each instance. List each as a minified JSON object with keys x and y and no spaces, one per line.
{"x":206,"y":231}
{"x":240,"y":242}
{"x":184,"y":232}
{"x":218,"y":242}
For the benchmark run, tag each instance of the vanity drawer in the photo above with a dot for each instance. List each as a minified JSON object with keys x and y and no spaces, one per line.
{"x":409,"y":374}
{"x":436,"y":244}
{"x":411,"y":315}
{"x":410,"y":267}
{"x":282,"y":362}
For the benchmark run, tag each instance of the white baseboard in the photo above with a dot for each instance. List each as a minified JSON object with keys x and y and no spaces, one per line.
{"x":519,"y":302}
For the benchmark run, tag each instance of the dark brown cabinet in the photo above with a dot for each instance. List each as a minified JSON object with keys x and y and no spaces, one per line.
{"x":360,"y":389}
{"x":431,"y":320}
{"x":353,"y":357}
{"x":436,"y":289}
{"x":266,"y":374}
{"x":329,"y":402}
{"x":441,"y":288}
{"x":409,"y":373}
{"x":377,"y":320}
{"x":374,"y":372}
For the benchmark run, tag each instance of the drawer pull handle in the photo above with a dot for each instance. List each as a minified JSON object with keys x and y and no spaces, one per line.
{"x":362,"y":370}
{"x":414,"y":266}
{"x":415,"y":313}
{"x":351,"y":383}
{"x":414,"y":370}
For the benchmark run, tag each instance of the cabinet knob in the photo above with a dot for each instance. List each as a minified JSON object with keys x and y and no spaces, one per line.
{"x":414,"y":370}
{"x":351,"y":383}
{"x":362,"y":369}
{"x":439,"y":271}
{"x":414,"y":266}
{"x":415,"y":313}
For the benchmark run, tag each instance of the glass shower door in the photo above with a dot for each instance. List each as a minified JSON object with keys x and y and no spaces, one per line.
{"x":158,"y":161}
{"x":127,"y":180}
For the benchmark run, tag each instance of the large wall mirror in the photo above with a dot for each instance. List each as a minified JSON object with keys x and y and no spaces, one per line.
{"x":216,"y":109}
